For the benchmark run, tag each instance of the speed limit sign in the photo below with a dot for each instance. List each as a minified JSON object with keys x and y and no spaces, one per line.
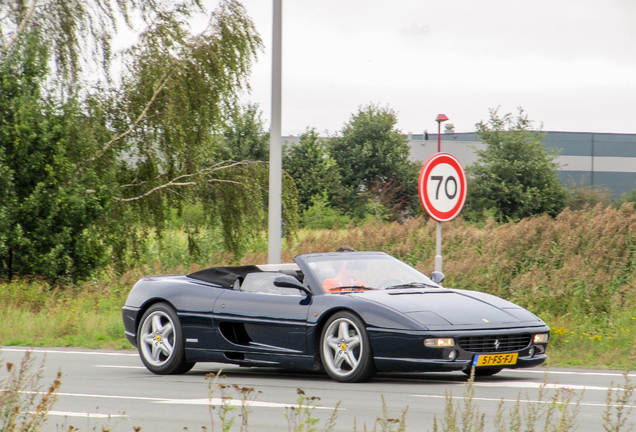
{"x":442,"y":187}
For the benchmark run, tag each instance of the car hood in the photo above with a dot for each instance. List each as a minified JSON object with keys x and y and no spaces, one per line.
{"x":437,"y":307}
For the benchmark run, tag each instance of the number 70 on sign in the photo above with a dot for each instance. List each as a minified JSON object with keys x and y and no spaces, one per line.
{"x":442,"y":187}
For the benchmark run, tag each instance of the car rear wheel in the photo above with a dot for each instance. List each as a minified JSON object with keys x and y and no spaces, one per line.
{"x":160,"y":341}
{"x":345,"y":349}
{"x":483,"y":372}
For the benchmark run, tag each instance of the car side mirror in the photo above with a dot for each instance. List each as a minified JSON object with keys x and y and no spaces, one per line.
{"x":437,"y":277}
{"x":286,"y":281}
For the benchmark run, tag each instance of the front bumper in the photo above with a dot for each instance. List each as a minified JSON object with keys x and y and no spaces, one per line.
{"x":436,"y":365}
{"x":405,"y":352}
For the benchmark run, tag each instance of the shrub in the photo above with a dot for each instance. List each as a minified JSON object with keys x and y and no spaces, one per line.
{"x":514,"y":174}
{"x":588,"y":196}
{"x":322,"y":216}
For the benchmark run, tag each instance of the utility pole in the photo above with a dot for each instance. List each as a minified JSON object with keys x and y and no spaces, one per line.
{"x":275,"y":142}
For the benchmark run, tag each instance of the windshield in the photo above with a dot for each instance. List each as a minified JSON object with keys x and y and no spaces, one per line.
{"x":343,"y":272}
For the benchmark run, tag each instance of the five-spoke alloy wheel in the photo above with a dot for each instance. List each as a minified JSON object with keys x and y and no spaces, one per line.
{"x":345,"y":349}
{"x":160,"y":341}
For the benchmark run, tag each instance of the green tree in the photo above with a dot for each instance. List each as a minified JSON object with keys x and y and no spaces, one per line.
{"x":85,"y":167}
{"x":245,"y":136}
{"x":514,"y":176}
{"x":168,"y":117}
{"x":314,"y":172}
{"x":373,"y":158}
{"x":46,"y":212}
{"x":244,"y":194}
{"x":78,"y":31}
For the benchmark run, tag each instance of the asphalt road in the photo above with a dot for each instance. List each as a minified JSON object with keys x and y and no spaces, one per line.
{"x":112,"y":389}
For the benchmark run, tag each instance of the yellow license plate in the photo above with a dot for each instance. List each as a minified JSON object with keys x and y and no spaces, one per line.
{"x":495,"y":359}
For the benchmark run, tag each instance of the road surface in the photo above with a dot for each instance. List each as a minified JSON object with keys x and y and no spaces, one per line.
{"x":112,"y":389}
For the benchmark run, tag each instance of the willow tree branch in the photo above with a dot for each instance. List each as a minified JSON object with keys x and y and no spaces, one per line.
{"x":139,"y":119}
{"x":209,"y":170}
{"x":177,"y":181}
{"x":7,"y":46}
{"x":168,"y":185}
{"x":153,"y":190}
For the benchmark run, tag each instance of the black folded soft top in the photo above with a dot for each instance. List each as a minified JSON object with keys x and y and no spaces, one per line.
{"x":224,"y":276}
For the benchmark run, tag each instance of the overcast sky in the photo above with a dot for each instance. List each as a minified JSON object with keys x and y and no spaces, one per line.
{"x":571,"y":64}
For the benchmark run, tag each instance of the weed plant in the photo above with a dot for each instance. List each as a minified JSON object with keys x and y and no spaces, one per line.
{"x":549,"y":412}
{"x":556,"y":413}
{"x":384,"y":423}
{"x":618,"y":406}
{"x":299,"y":417}
{"x":466,"y":418}
{"x":224,"y":408}
{"x":23,"y":403}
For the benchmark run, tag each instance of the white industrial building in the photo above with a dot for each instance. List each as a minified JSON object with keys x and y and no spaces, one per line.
{"x":588,"y":159}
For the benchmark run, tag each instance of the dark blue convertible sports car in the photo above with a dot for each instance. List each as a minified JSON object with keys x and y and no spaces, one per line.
{"x":350,"y":314}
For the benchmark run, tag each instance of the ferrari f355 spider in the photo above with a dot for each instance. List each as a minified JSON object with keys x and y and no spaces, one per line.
{"x":350,"y":314}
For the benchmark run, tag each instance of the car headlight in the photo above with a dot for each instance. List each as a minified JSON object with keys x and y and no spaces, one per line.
{"x":541,"y":338}
{"x":439,"y":343}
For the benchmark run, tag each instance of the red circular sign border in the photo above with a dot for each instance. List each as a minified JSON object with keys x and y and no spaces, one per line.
{"x":431,"y":163}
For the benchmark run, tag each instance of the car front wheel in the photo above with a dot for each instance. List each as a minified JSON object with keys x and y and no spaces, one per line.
{"x":345,"y":349}
{"x":160,"y":341}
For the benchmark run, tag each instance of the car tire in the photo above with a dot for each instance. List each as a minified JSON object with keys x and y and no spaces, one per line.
{"x":160,"y":341}
{"x":483,"y":372}
{"x":345,"y":349}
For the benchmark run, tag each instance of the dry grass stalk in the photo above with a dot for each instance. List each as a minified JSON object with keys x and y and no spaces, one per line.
{"x":23,"y":404}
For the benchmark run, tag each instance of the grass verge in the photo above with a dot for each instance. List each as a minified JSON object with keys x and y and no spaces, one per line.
{"x":90,"y":317}
{"x":33,"y":314}
{"x":576,"y":271}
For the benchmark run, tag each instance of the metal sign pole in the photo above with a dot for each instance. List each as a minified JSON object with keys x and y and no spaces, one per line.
{"x":438,"y":250}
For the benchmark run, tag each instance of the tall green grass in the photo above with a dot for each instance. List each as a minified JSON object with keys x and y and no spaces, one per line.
{"x":35,"y":314}
{"x":577,"y":272}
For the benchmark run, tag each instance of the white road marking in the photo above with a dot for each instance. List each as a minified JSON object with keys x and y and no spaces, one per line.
{"x":47,"y":351}
{"x":232,"y":402}
{"x":85,"y":395}
{"x":206,"y":401}
{"x":78,"y":414}
{"x":549,"y":386}
{"x":551,"y":372}
{"x":119,"y":366}
{"x":573,"y":402}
